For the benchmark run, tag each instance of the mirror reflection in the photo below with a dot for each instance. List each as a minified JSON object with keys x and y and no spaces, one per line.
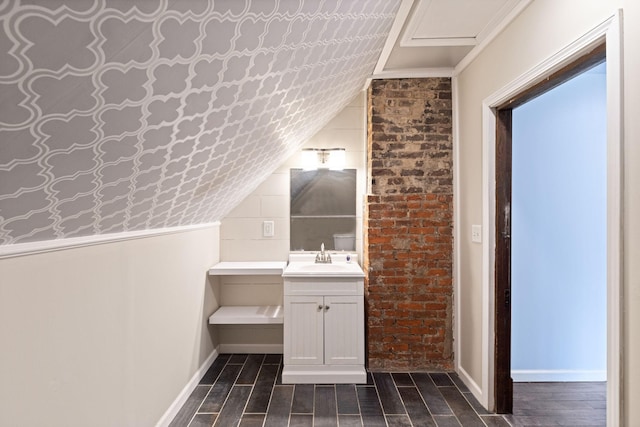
{"x":323,"y":209}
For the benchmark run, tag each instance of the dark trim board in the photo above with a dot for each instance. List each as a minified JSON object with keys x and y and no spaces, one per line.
{"x":503,"y":384}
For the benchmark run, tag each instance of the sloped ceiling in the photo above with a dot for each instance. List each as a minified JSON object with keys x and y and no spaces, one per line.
{"x":122,"y":115}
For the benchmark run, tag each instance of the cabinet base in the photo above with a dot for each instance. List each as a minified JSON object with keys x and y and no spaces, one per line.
{"x":323,"y":374}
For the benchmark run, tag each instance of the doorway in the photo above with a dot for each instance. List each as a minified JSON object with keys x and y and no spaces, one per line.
{"x":541,"y":244}
{"x":558,"y":237}
{"x":494,"y":374}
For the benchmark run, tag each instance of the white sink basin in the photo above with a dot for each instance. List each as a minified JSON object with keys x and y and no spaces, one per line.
{"x":311,"y":269}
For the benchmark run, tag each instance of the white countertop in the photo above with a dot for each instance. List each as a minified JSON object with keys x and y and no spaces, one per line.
{"x":248,"y":268}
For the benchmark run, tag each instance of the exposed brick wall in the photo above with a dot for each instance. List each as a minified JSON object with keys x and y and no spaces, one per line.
{"x":409,"y":242}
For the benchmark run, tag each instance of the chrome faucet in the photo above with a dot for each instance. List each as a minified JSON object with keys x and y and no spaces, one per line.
{"x":323,"y":257}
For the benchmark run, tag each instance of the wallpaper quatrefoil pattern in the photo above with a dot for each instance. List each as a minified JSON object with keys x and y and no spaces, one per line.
{"x":122,"y":115}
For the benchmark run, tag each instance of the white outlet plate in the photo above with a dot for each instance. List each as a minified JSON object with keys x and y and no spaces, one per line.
{"x":268,"y":229}
{"x":476,"y":233}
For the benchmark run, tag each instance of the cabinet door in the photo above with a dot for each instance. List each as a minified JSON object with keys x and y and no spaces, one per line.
{"x":303,"y":330}
{"x":344,"y":330}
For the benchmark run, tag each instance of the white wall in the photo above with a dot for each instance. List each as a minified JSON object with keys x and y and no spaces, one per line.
{"x":559,"y":234}
{"x":241,"y":233}
{"x":631,"y":213}
{"x":543,"y":29}
{"x":105,"y":335}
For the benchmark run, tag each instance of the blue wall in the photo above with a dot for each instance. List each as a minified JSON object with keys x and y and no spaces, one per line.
{"x":559,"y":233}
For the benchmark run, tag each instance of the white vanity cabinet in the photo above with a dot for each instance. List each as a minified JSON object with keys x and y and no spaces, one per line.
{"x":323,"y":330}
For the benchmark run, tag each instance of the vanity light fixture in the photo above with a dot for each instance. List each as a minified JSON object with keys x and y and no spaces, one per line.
{"x":323,"y":158}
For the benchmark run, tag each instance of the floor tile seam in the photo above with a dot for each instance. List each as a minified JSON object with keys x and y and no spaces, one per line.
{"x":226,"y":399}
{"x":191,"y":419}
{"x":375,"y":386}
{"x":196,"y":412}
{"x":313,"y":404}
{"x":266,"y":414}
{"x":233,"y":384}
{"x":450,"y":408}
{"x":422,"y":397}
{"x":209,"y":391}
{"x":231,"y":389}
{"x":335,"y":401}
{"x":471,"y":405}
{"x":397,"y":392}
{"x":499,"y":416}
{"x":215,"y":380}
{"x":455,"y":384}
{"x":337,"y":406}
{"x":293,"y":393}
{"x":509,"y":422}
{"x":398,"y":415}
{"x":253,"y":387}
{"x":355,"y":390}
{"x":360,"y":405}
{"x":410,"y":377}
{"x":193,"y":416}
{"x":395,"y":386}
{"x":451,"y":375}
{"x":243,"y":366}
{"x":425,"y":401}
{"x":429,"y":413}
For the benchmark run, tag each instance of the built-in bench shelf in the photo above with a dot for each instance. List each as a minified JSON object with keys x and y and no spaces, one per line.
{"x":248,"y":268}
{"x":248,"y":314}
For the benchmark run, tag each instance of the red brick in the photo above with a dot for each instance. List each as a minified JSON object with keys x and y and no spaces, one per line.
{"x":376,"y":240}
{"x":408,"y":248}
{"x":411,"y":306}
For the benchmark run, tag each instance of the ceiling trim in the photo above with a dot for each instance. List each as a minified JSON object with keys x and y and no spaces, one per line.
{"x":394,"y":33}
{"x":408,"y":73}
{"x":421,"y":8}
{"x":499,"y":18}
{"x":489,"y":36}
{"x":450,"y":41}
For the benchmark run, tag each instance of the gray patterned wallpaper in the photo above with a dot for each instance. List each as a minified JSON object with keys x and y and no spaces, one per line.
{"x":122,"y":115}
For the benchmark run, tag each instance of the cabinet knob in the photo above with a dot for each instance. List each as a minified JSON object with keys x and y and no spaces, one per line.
{"x":320,"y":307}
{"x":326,"y":307}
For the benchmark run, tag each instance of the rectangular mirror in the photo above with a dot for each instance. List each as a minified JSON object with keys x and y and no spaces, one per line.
{"x":323,"y":209}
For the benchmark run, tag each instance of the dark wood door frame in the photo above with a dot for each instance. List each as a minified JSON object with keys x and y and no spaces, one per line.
{"x":503,"y":383}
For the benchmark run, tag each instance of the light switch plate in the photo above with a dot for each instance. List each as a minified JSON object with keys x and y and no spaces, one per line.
{"x":268,"y":229}
{"x":476,"y":233}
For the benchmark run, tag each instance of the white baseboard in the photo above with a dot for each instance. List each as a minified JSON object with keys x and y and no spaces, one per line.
{"x":532,"y":376}
{"x":170,"y":413}
{"x":324,"y":374}
{"x":471,"y":384}
{"x":251,"y":348}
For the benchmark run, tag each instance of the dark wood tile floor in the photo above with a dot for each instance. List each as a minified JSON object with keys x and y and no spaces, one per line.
{"x":247,"y":391}
{"x":559,"y":404}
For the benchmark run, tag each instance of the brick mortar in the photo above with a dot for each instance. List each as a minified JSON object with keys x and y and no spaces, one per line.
{"x":409,"y":223}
